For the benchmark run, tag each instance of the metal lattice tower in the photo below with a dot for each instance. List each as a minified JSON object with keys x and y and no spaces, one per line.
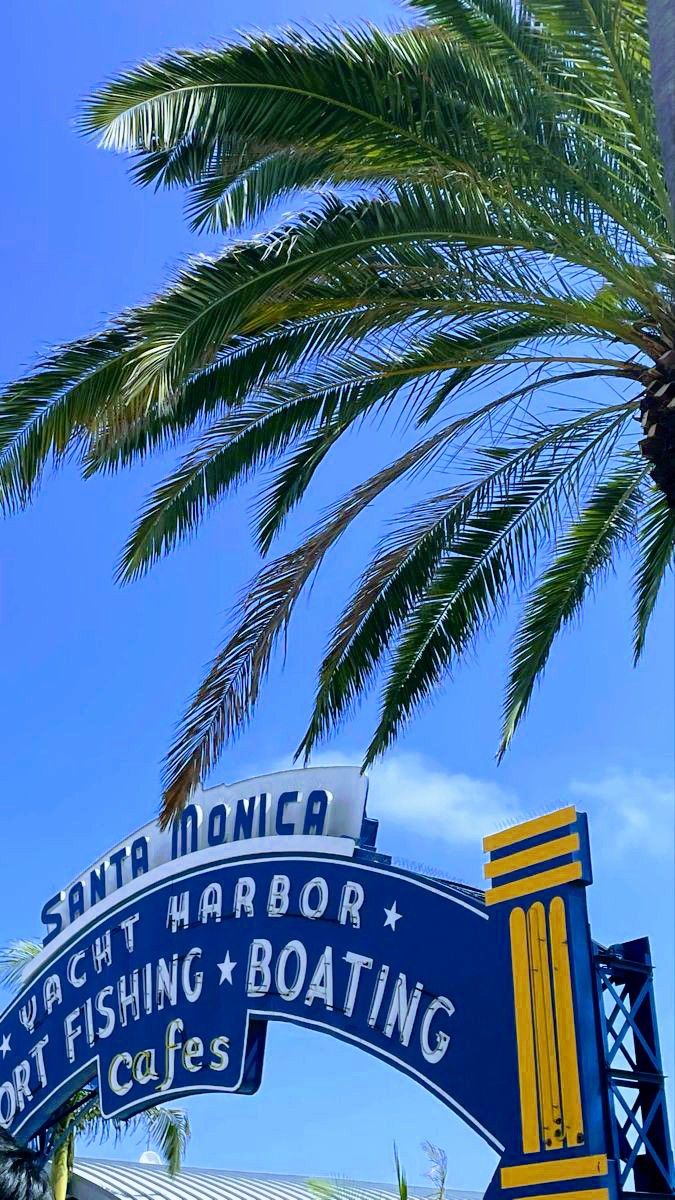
{"x":636,"y":1113}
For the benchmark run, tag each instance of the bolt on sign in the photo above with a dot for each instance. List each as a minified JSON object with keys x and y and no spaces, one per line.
{"x":165,"y":962}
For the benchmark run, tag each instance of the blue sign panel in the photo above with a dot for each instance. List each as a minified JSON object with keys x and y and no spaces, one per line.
{"x":488,"y":1000}
{"x":169,"y":993}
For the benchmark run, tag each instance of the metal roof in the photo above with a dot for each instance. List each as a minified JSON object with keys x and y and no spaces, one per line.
{"x":106,"y":1180}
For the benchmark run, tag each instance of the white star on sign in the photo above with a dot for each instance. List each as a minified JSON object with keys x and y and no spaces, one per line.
{"x":4,"y":1045}
{"x":226,"y":968}
{"x":392,"y":916}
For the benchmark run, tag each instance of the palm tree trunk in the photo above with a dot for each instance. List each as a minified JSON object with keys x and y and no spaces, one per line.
{"x":61,"y":1167}
{"x":662,"y":50}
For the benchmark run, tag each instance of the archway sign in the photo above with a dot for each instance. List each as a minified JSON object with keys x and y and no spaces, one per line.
{"x":164,"y":963}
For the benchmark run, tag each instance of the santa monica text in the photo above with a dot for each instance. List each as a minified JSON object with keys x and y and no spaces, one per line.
{"x":207,"y":822}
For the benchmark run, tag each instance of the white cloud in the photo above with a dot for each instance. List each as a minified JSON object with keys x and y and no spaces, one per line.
{"x":407,"y":790}
{"x":630,"y":811}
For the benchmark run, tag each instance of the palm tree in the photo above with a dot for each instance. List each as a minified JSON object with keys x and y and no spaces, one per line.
{"x":480,"y":217}
{"x":166,"y":1128}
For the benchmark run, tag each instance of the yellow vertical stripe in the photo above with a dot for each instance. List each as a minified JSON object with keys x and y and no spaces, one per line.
{"x":566,"y":1032}
{"x":547,"y":1065}
{"x":522,"y":999}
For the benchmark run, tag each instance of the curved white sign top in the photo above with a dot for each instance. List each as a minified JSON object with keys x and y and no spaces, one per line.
{"x":308,"y":802}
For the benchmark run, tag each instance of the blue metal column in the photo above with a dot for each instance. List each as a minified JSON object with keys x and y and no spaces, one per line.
{"x":634,"y":1073}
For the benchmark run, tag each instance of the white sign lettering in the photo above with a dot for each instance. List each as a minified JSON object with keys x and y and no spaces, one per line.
{"x":315,"y":801}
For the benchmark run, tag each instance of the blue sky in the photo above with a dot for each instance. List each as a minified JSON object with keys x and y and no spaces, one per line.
{"x":94,"y":675}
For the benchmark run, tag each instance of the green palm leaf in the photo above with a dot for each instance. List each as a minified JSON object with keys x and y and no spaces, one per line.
{"x":397,"y":584}
{"x":491,"y":557}
{"x":582,"y":554}
{"x":218,"y":203}
{"x":656,"y":544}
{"x":230,"y":690}
{"x":14,"y":958}
{"x":479,"y":219}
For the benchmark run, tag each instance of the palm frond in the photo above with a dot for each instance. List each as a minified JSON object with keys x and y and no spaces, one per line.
{"x":164,"y":1127}
{"x":491,"y":98}
{"x":168,"y":1129}
{"x":225,"y":699}
{"x":219,"y":204}
{"x":582,"y":554}
{"x":438,"y":1171}
{"x":293,"y":479}
{"x":613,"y":57}
{"x":14,"y":958}
{"x":656,"y":543}
{"x":241,"y":370}
{"x":479,"y":214}
{"x":490,"y":559}
{"x":50,"y":412}
{"x":401,"y":1180}
{"x":329,"y":400}
{"x":479,"y":539}
{"x":228,"y":453}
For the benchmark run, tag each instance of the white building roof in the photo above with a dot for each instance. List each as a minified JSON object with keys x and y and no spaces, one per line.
{"x":105,"y":1180}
